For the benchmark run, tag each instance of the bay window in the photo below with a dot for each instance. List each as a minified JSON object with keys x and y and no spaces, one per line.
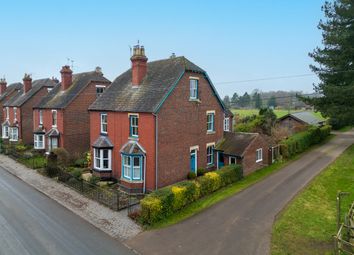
{"x":39,"y":141}
{"x":102,"y":159}
{"x":13,"y":134}
{"x":132,"y":167}
{"x":5,"y":131}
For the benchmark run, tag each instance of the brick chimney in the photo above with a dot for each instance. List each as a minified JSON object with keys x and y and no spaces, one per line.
{"x":3,"y":84}
{"x":66,"y":77}
{"x":139,"y":67}
{"x":27,"y":83}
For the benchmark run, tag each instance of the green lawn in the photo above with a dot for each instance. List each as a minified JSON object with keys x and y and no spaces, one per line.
{"x":278,"y":112}
{"x":307,"y":225}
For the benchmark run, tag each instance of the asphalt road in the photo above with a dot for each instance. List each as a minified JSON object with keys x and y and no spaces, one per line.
{"x":242,"y":224}
{"x":32,"y":223}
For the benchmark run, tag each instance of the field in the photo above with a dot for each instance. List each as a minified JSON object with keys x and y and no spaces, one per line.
{"x":278,"y":112}
{"x":307,"y":225}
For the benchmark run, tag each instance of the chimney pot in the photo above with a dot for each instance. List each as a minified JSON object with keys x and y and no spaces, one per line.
{"x":139,"y":66}
{"x":66,"y":77}
{"x":27,"y":83}
{"x":3,"y":84}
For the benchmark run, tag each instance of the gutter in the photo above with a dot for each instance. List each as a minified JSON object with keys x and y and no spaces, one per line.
{"x":156,"y":150}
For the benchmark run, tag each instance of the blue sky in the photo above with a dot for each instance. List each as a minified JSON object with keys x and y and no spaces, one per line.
{"x":232,"y":40}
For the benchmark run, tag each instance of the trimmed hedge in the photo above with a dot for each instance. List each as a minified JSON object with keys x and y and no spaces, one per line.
{"x":166,"y":201}
{"x":303,"y":140}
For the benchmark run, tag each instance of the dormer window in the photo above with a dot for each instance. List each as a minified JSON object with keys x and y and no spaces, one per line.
{"x":100,"y":89}
{"x":193,"y":88}
{"x":54,"y":118}
{"x":104,"y":123}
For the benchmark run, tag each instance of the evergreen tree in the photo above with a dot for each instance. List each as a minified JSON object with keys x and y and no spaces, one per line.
{"x":257,"y":100}
{"x":245,"y":100}
{"x":335,"y":63}
{"x":235,"y":100}
{"x":227,"y":101}
{"x":272,"y":102}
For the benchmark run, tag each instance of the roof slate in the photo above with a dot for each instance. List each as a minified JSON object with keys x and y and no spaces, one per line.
{"x":9,"y":89}
{"x":161,"y":77}
{"x":235,"y":143}
{"x":20,"y":98}
{"x":58,"y":99}
{"x":103,"y":142}
{"x":306,"y":117}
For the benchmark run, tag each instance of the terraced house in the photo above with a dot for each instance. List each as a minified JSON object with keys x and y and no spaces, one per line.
{"x":18,"y":122}
{"x":6,"y":92}
{"x":157,"y":122}
{"x":61,"y":119}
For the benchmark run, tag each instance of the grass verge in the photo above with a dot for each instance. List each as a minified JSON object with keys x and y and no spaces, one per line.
{"x":226,"y":192}
{"x":307,"y":225}
{"x":345,"y":129}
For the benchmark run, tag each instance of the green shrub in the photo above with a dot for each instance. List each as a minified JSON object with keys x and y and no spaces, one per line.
{"x":76,"y":173}
{"x":52,"y":168}
{"x":94,"y":180}
{"x":20,"y":147}
{"x":191,"y":176}
{"x":201,"y":171}
{"x":303,"y":140}
{"x":81,"y":162}
{"x":166,"y":201}
{"x":63,"y":156}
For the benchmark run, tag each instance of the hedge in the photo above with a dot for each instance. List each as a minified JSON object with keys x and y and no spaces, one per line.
{"x":303,"y":140}
{"x":164,"y":202}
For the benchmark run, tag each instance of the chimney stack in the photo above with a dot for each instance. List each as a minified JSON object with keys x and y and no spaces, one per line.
{"x":139,"y":66}
{"x":3,"y":84}
{"x":27,"y":83}
{"x":66,"y":77}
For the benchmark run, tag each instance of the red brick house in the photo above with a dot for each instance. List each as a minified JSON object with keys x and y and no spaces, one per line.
{"x":61,"y":119}
{"x":18,"y":109}
{"x":250,"y":150}
{"x":157,"y":122}
{"x":6,"y":92}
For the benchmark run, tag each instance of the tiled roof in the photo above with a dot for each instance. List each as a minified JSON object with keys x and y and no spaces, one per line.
{"x":306,"y":117}
{"x":20,"y":98}
{"x":161,"y":77}
{"x":103,"y":142}
{"x":9,"y":89}
{"x":58,"y":99}
{"x":235,"y":143}
{"x":53,"y":132}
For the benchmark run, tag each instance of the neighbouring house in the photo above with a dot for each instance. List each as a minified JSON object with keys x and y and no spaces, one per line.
{"x":299,"y":121}
{"x":157,"y":122}
{"x":6,"y":92}
{"x":19,"y":109}
{"x":250,"y":150}
{"x":61,"y":119}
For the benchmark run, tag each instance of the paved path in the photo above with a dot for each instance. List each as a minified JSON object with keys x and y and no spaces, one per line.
{"x":242,"y":224}
{"x":32,"y":223}
{"x":115,"y":224}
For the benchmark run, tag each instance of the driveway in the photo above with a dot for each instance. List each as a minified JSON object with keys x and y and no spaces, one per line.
{"x":242,"y":224}
{"x":32,"y":223}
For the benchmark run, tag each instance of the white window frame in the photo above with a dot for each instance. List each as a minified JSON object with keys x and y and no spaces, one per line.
{"x":259,"y":155}
{"x":139,"y":167}
{"x":40,"y":117}
{"x":103,"y":87}
{"x":7,"y":110}
{"x":39,"y":145}
{"x":50,"y":143}
{"x":13,"y":135}
{"x":210,"y":154}
{"x":5,"y":131}
{"x":226,"y":124}
{"x":193,"y":88}
{"x":104,"y":123}
{"x":98,"y":155}
{"x":127,"y":167}
{"x":15,"y":113}
{"x":133,"y":127}
{"x":56,"y":118}
{"x":230,"y":158}
{"x":210,"y":122}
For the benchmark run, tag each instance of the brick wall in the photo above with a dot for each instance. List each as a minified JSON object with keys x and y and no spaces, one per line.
{"x":292,"y":125}
{"x":249,"y":163}
{"x":183,"y":124}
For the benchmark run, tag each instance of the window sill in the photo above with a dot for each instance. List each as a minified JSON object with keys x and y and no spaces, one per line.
{"x":210,"y":166}
{"x":131,"y":181}
{"x":102,"y":170}
{"x":257,"y":161}
{"x":196,"y":100}
{"x":136,"y":138}
{"x":210,"y":132}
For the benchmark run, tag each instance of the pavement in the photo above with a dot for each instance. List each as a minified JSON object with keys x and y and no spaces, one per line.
{"x":116,"y":224}
{"x":242,"y":224}
{"x":32,"y":223}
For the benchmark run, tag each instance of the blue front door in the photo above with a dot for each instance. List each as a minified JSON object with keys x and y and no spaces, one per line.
{"x":193,"y":161}
{"x":220,"y":159}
